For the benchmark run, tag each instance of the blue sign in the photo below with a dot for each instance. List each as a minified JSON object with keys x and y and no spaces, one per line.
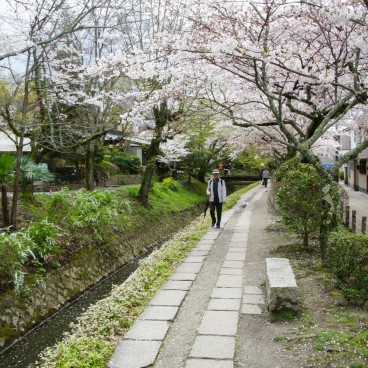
{"x":327,"y":166}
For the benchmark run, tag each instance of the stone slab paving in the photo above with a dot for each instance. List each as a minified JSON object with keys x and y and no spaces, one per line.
{"x":219,"y":323}
{"x":209,"y":363}
{"x":253,"y":299}
{"x":205,"y":242}
{"x":180,"y":276}
{"x":148,"y":330}
{"x":238,"y":244}
{"x":194,"y":259}
{"x":204,"y":247}
{"x":226,"y":293}
{"x":229,"y":281}
{"x":189,"y":268}
{"x":177,"y":285}
{"x":251,"y":309}
{"x":233,"y":264}
{"x":198,"y":253}
{"x":169,"y":298}
{"x":235,"y":256}
{"x":215,"y":347}
{"x":231,"y":271}
{"x":135,"y":354}
{"x":159,"y":313}
{"x":214,"y":340}
{"x":248,"y":289}
{"x":224,"y":304}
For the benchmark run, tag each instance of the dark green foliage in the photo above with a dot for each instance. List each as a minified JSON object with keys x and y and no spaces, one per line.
{"x":301,"y":196}
{"x":347,"y":257}
{"x":127,"y":163}
{"x":26,"y":250}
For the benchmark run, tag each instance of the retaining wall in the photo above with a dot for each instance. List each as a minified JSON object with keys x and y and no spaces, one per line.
{"x":18,"y":313}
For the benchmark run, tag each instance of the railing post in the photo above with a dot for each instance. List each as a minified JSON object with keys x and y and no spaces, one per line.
{"x":342,"y":212}
{"x":364,"y":225}
{"x":347,"y":216}
{"x":353,"y":220}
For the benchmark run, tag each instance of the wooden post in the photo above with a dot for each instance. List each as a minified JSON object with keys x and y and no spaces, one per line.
{"x":364,"y":225}
{"x":342,"y":212}
{"x":353,"y":220}
{"x":347,"y":216}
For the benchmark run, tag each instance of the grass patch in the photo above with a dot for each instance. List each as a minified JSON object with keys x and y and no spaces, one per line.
{"x":111,"y":317}
{"x":282,"y":315}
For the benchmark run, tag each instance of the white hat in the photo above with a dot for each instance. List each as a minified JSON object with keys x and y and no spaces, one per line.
{"x":215,"y":171}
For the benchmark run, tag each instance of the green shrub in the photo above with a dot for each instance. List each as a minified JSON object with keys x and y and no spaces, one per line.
{"x":29,"y":246}
{"x":45,"y":235}
{"x":171,"y":184}
{"x":300,"y":198}
{"x":127,"y":163}
{"x":341,"y":175}
{"x":108,"y":167}
{"x":347,"y":258}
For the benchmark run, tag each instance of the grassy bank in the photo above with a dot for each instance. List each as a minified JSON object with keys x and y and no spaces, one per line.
{"x":55,"y":228}
{"x":94,"y":337}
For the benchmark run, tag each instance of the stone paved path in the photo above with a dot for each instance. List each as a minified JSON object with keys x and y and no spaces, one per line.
{"x":193,"y":320}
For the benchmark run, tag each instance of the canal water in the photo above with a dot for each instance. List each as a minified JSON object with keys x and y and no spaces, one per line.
{"x":24,"y":352}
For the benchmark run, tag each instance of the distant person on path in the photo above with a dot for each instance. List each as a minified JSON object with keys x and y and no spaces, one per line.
{"x":265,"y":177}
{"x":216,"y":191}
{"x":227,"y":169}
{"x":261,"y":172}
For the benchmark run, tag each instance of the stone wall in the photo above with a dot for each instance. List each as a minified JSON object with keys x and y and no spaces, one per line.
{"x":116,"y":180}
{"x":19,"y":313}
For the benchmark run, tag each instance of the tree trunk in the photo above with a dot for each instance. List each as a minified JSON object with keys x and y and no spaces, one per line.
{"x":17,"y":177}
{"x":90,"y":180}
{"x":162,"y":116}
{"x":306,"y":236}
{"x":147,"y":181}
{"x":5,"y":205}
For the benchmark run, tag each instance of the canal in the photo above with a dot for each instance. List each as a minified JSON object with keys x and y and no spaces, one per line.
{"x":24,"y":352}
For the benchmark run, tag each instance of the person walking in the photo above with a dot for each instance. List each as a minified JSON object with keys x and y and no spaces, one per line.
{"x":265,"y":177}
{"x":216,"y":191}
{"x":261,"y":172}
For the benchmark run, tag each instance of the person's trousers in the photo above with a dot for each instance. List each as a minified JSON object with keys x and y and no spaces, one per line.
{"x":218,"y":207}
{"x":265,"y":180}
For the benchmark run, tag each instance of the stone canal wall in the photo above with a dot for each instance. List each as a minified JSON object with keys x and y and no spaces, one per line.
{"x":18,"y":313}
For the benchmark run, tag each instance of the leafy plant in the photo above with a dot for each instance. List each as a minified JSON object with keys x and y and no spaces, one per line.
{"x":348,"y":259}
{"x":299,"y":197}
{"x":32,"y":245}
{"x":127,"y":163}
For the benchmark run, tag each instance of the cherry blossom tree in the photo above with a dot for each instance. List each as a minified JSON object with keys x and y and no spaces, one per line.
{"x":27,"y":29}
{"x":291,"y":70}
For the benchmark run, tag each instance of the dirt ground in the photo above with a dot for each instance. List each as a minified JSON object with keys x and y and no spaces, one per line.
{"x":329,"y":331}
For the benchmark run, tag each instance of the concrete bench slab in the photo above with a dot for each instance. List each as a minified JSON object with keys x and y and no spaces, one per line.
{"x":281,"y":287}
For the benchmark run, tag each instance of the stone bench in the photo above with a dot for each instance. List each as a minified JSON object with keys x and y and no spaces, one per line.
{"x":281,"y":288}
